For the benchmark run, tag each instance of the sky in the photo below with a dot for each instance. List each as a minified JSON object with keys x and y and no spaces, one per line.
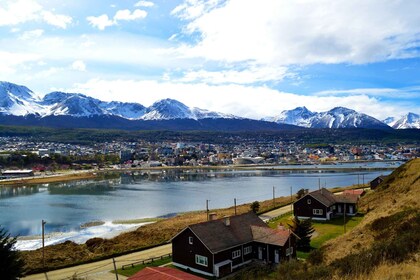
{"x":248,"y":58}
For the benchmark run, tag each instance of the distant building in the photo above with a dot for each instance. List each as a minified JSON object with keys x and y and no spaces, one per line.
{"x":375,"y":182}
{"x":17,"y":173}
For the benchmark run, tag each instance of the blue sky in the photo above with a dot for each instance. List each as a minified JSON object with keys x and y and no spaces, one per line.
{"x":243,"y":57}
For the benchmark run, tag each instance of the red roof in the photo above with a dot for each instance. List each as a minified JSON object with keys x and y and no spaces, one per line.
{"x":163,"y":273}
{"x":357,"y":192}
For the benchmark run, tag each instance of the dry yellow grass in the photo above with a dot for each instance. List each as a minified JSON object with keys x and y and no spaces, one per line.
{"x":399,"y":191}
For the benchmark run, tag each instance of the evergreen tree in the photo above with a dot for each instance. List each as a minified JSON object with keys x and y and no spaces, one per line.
{"x":11,"y":265}
{"x":304,"y":230}
{"x":255,"y":206}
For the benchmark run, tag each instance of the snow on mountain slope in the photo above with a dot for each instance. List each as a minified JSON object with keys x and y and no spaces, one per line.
{"x":338,"y":117}
{"x":168,"y":109}
{"x":18,"y":100}
{"x":390,"y":121}
{"x":130,"y":111}
{"x":410,"y":120}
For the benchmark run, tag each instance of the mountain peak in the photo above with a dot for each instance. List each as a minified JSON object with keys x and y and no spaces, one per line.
{"x":410,"y":120}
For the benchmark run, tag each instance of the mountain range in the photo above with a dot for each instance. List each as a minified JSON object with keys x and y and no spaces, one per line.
{"x":21,"y":106}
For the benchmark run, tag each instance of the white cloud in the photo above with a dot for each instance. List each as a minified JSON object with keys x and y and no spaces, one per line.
{"x":10,"y":61}
{"x":103,"y":21}
{"x":283,"y":32}
{"x":78,"y":65}
{"x":32,"y":34}
{"x":100,"y":22}
{"x":14,"y":12}
{"x":250,"y":75}
{"x":60,"y":21}
{"x":146,"y":4}
{"x":127,"y":15}
{"x":246,"y":101}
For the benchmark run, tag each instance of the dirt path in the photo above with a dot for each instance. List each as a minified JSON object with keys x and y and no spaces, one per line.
{"x":101,"y":270}
{"x":275,"y":213}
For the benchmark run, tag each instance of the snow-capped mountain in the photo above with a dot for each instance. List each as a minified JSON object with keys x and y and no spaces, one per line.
{"x":338,"y":117}
{"x":299,"y":116}
{"x":17,"y":100}
{"x":20,"y":101}
{"x":410,"y":120}
{"x":389,"y":121}
{"x":168,"y":109}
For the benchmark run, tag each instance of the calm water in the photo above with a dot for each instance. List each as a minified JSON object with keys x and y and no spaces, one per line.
{"x":66,"y":206}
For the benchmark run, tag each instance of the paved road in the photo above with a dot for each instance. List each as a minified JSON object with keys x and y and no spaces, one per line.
{"x":101,"y":270}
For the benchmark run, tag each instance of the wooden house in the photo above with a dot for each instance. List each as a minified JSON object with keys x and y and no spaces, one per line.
{"x":324,"y":205}
{"x":375,"y":182}
{"x":219,"y":247}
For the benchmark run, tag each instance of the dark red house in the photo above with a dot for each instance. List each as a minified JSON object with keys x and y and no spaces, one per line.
{"x":375,"y":182}
{"x":323,"y":205}
{"x":218,"y":247}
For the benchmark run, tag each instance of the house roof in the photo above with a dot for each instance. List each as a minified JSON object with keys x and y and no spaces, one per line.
{"x":358,"y":192}
{"x":347,"y":198}
{"x":324,"y":196}
{"x":163,"y":273}
{"x":217,"y":236}
{"x":270,"y":236}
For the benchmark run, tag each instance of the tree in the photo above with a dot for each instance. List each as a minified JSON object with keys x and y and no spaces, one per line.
{"x":255,"y":206}
{"x":301,"y":193}
{"x":304,"y":230}
{"x":11,"y":265}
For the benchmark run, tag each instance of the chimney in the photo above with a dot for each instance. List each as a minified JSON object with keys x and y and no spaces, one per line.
{"x":212,"y":216}
{"x":227,"y":221}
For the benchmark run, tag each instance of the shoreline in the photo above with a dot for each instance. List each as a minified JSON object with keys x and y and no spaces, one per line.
{"x":92,"y":174}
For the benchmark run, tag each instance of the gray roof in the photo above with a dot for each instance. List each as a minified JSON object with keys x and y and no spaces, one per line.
{"x":217,"y":236}
{"x":324,"y":196}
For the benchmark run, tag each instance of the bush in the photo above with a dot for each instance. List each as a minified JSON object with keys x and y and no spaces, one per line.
{"x":11,"y":265}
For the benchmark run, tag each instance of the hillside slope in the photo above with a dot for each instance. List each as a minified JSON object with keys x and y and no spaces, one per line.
{"x":387,"y":241}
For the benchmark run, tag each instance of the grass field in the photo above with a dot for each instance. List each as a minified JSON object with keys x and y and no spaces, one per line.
{"x":324,"y":231}
{"x":133,"y":270}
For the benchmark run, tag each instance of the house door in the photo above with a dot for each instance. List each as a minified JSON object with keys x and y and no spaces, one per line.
{"x":276,"y":256}
{"x":260,"y":252}
{"x":339,"y":208}
{"x":350,"y":209}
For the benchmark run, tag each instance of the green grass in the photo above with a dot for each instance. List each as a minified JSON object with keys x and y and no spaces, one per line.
{"x":133,"y":270}
{"x":324,"y":231}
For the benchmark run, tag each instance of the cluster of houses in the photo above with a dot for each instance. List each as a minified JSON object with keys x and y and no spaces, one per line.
{"x":219,"y":247}
{"x":196,"y":154}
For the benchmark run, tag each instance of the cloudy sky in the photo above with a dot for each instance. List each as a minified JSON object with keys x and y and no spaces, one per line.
{"x":252,"y":58}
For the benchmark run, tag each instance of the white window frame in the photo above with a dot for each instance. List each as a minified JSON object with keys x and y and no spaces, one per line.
{"x":201,"y":260}
{"x":289,"y":251}
{"x":318,"y":211}
{"x":309,"y":201}
{"x":236,"y":254}
{"x":190,"y":240}
{"x":247,"y":250}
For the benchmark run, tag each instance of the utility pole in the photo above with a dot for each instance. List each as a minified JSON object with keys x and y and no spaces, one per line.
{"x":274,"y":198}
{"x":291,"y":200}
{"x":358,"y":180}
{"x":363,"y":179}
{"x":234,"y":201}
{"x":115,"y":269}
{"x":207,"y":208}
{"x":344,"y":217}
{"x":319,"y":183}
{"x":43,"y":242}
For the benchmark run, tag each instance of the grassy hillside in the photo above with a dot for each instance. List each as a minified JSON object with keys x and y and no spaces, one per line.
{"x":385,"y":245}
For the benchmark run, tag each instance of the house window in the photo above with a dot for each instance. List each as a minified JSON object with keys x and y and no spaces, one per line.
{"x":201,"y":260}
{"x":190,"y":240}
{"x":236,"y":254}
{"x":318,"y":211}
{"x":309,"y":201}
{"x":289,"y":251}
{"x":247,"y":250}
